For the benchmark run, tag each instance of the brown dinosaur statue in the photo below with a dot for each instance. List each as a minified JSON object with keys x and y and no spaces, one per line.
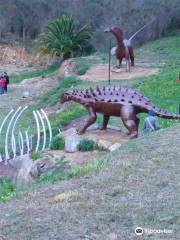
{"x":115,"y":101}
{"x":124,"y":47}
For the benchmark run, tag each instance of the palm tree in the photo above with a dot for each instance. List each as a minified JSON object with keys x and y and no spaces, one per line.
{"x":61,"y":38}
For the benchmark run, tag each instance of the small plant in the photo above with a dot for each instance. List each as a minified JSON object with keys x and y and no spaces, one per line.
{"x":36,"y":155}
{"x":57,"y":143}
{"x":87,"y":145}
{"x":6,"y":189}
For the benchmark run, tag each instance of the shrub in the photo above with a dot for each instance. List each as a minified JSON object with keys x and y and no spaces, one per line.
{"x":36,"y":155}
{"x":6,"y":188}
{"x":62,"y":39}
{"x":87,"y":145}
{"x":57,"y":143}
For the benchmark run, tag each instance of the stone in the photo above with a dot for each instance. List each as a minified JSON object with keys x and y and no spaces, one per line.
{"x":26,"y":94}
{"x":114,"y":147}
{"x":104,"y":143}
{"x":94,"y":126}
{"x":42,"y":165}
{"x":69,"y":132}
{"x":22,"y":166}
{"x":72,"y":143}
{"x":68,"y":68}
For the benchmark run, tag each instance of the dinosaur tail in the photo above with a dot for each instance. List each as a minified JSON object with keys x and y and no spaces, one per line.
{"x":167,"y":115}
{"x":141,"y":29}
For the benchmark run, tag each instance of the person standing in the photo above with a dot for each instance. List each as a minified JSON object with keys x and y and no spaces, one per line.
{"x":7,"y":81}
{"x":2,"y":84}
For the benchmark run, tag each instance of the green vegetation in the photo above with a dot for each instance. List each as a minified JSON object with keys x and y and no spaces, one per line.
{"x":84,"y":63}
{"x":57,"y":143}
{"x":86,"y":145}
{"x":61,"y":38}
{"x":36,"y":155}
{"x":71,"y":112}
{"x":75,"y":171}
{"x":51,"y":97}
{"x":163,"y":89}
{"x":6,"y":189}
{"x":19,"y":77}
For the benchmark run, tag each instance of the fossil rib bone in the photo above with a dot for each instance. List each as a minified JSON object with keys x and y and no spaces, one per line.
{"x":13,"y":129}
{"x":49,"y":127}
{"x":44,"y":130}
{"x":38,"y":131}
{"x":7,"y":135}
{"x":2,"y":125}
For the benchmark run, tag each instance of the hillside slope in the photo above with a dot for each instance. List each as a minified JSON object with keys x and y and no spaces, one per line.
{"x":139,"y":187}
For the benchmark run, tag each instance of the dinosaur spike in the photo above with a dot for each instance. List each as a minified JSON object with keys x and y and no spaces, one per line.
{"x":98,"y":90}
{"x":92,"y":91}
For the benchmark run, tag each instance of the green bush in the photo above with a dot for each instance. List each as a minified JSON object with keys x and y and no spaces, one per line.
{"x":87,"y":145}
{"x":55,"y":131}
{"x":6,"y":189}
{"x":57,"y":143}
{"x":36,"y":155}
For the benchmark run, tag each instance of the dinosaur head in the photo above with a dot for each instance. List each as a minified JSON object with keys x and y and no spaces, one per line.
{"x":65,"y":97}
{"x":113,"y":29}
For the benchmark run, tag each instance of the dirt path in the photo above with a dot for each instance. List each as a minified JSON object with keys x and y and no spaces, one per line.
{"x":100,"y":72}
{"x":33,"y":86}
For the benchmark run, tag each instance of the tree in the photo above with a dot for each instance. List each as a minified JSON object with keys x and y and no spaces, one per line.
{"x":62,"y":39}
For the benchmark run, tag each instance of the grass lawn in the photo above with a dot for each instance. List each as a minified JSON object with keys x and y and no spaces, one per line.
{"x":19,"y":77}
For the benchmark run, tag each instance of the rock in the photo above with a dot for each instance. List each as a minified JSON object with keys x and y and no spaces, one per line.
{"x":67,"y":68}
{"x":26,"y":94}
{"x":94,"y":126}
{"x":104,"y":143}
{"x":42,"y":165}
{"x":72,"y":143}
{"x":114,"y":147}
{"x":22,"y":166}
{"x":69,"y":132}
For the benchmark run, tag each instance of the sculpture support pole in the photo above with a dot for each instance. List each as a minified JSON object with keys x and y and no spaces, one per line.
{"x":109,"y":77}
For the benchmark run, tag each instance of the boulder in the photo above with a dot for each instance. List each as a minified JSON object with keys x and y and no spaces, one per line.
{"x":114,"y":147}
{"x":72,"y":143}
{"x":104,"y":144}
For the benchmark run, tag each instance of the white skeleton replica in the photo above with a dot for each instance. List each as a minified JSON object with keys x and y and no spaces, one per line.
{"x":24,"y":145}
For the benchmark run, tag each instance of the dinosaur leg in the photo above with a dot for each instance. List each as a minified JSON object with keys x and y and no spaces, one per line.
{"x":119,"y":63}
{"x":105,"y":122}
{"x":90,"y":121}
{"x":127,"y":65}
{"x":127,"y":57}
{"x":131,"y":53}
{"x":130,"y":120}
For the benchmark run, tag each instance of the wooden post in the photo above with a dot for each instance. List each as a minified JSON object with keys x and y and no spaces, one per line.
{"x":109,"y":77}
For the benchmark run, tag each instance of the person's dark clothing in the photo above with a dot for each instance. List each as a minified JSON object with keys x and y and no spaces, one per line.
{"x":7,"y":82}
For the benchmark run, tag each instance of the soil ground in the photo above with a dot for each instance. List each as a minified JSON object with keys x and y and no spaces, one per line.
{"x":100,"y":72}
